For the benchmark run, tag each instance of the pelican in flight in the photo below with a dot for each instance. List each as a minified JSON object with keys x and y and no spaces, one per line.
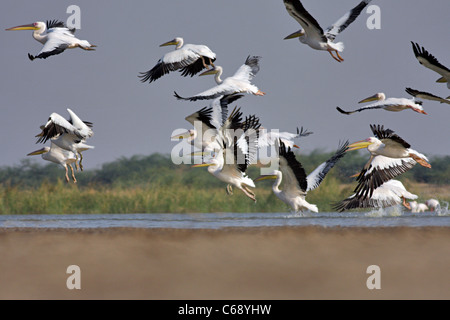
{"x":312,"y":34}
{"x":426,"y":95}
{"x":189,"y":59}
{"x":237,"y":151}
{"x":270,"y":138}
{"x":58,"y":155}
{"x":68,"y":134}
{"x":55,"y":37}
{"x":389,"y":104}
{"x":240,"y":82}
{"x":390,"y":156}
{"x":390,"y":193}
{"x":429,"y":61}
{"x":296,"y":183}
{"x":207,"y":122}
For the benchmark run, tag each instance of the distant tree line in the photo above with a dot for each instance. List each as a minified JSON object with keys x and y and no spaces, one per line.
{"x":158,"y":169}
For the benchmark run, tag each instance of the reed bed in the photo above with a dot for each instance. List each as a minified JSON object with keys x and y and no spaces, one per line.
{"x":63,"y":198}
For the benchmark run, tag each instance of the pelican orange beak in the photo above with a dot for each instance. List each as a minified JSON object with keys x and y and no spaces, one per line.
{"x":294,"y":35}
{"x":24,"y":27}
{"x":169,"y":43}
{"x":266,"y":177}
{"x":37,"y":152}
{"x":375,"y":97}
{"x":184,"y":135}
{"x":210,"y":71}
{"x":202,"y":165}
{"x":358,"y":145}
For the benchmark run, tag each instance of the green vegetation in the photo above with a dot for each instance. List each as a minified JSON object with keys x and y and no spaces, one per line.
{"x":148,"y":184}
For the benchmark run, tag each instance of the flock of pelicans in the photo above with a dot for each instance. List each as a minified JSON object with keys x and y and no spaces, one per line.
{"x":229,"y":143}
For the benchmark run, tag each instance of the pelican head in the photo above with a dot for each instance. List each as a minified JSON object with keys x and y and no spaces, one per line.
{"x":296,"y":34}
{"x":40,"y":151}
{"x":190,"y":134}
{"x":363,"y":144}
{"x":175,"y":42}
{"x":32,"y":26}
{"x":378,"y":96}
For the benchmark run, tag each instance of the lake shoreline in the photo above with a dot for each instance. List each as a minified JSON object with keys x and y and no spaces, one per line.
{"x":288,"y":262}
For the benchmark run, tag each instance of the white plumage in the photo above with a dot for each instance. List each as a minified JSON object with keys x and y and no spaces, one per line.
{"x":240,"y":82}
{"x":312,"y":33}
{"x":68,"y":134}
{"x":295,"y":182}
{"x":390,"y":156}
{"x":59,"y":156}
{"x":389,"y":104}
{"x":189,"y":59}
{"x":390,"y":193}
{"x":55,"y":37}
{"x":429,"y":61}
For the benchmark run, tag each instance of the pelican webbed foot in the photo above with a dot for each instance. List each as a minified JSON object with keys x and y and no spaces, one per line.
{"x":334,"y":57}
{"x":229,"y":189}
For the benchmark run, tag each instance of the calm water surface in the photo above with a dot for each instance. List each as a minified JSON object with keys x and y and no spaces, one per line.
{"x":379,"y":218}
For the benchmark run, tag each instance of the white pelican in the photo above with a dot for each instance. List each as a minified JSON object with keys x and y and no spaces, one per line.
{"x":312,"y":33}
{"x":236,"y":153}
{"x":189,"y":59}
{"x":389,"y":104}
{"x":426,"y":95}
{"x":207,"y":121}
{"x":59,"y":156}
{"x":269,"y":138}
{"x":238,"y":83}
{"x":390,"y":193}
{"x":429,"y":61}
{"x":390,"y":156}
{"x":418,"y":207}
{"x":295,"y":182}
{"x":67,"y":134}
{"x":433,"y":204}
{"x":55,"y":37}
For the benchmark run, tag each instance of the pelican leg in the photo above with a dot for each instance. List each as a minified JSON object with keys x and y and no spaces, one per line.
{"x":211,"y":62}
{"x":229,"y":189}
{"x":67,"y":173}
{"x":335,"y":58}
{"x":420,"y":161}
{"x":407,"y":206}
{"x":79,"y":162}
{"x":340,"y":58}
{"x":77,"y":167}
{"x":259,"y":93}
{"x":248,"y":193}
{"x":73,"y":174}
{"x":204,"y":62}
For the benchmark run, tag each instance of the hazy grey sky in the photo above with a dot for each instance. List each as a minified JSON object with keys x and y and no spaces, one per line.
{"x":303,"y":86}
